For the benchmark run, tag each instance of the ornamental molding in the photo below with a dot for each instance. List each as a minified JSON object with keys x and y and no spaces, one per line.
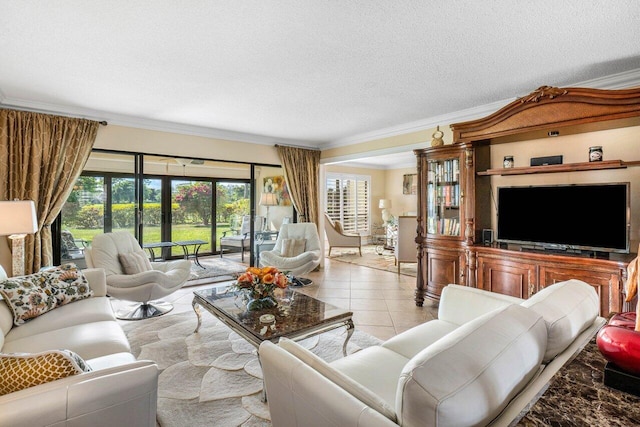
{"x":543,"y":91}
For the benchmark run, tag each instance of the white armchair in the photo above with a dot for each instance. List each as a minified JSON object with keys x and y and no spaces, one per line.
{"x":406,"y":248}
{"x":338,"y":238}
{"x":132,"y":277}
{"x":297,"y":249}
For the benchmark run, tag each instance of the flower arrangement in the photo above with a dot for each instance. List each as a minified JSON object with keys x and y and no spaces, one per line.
{"x":258,"y":285}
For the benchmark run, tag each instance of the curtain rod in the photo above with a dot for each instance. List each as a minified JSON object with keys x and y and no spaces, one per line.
{"x":297,"y":146}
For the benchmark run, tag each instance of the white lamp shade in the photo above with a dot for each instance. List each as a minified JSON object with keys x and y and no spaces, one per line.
{"x":18,"y":217}
{"x":268,"y":199}
{"x":384,"y":204}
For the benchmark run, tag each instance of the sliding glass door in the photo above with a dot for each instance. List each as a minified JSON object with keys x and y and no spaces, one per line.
{"x":191,"y":213}
{"x":165,"y":199}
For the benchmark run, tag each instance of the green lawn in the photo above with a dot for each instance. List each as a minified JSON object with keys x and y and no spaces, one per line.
{"x":152,"y":234}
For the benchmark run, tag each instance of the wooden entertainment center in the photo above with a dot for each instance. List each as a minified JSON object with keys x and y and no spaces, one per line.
{"x":454,"y":198}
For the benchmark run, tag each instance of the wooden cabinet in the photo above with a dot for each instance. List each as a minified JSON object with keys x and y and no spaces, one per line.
{"x":522,"y":274}
{"x":449,"y":228}
{"x":506,"y":275}
{"x":450,"y":219}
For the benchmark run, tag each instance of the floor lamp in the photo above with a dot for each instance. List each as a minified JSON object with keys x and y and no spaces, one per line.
{"x":17,"y":219}
{"x":268,"y":200}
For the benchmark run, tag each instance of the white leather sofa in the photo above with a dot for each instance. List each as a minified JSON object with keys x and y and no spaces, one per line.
{"x":484,"y":359}
{"x":118,"y":391}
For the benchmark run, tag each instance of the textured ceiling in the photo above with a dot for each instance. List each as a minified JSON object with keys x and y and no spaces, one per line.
{"x":312,"y":72}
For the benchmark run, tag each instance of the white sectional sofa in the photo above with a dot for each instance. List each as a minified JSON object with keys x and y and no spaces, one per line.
{"x":483,"y":361}
{"x":117,"y":391}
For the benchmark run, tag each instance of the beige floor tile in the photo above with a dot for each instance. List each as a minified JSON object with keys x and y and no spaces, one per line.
{"x":368,"y":304}
{"x":335,"y":284}
{"x":400,"y":294}
{"x":372,"y":318}
{"x":374,"y":285}
{"x":366,"y":294}
{"x":333,"y":293}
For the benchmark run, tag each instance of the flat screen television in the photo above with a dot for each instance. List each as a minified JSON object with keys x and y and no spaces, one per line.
{"x":578,"y":217}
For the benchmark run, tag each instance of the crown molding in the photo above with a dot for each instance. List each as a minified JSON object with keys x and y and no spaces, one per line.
{"x":420,"y":125}
{"x":148,"y":124}
{"x":624,"y":80}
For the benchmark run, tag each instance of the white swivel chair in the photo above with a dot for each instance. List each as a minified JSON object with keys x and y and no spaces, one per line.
{"x":406,"y":247}
{"x":338,"y":238}
{"x":132,"y":277}
{"x":297,"y":249}
{"x":242,"y":240}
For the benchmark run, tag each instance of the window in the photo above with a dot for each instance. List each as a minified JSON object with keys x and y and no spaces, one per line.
{"x":348,"y":201}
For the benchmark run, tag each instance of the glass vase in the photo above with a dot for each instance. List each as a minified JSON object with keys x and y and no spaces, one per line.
{"x":261,"y":303}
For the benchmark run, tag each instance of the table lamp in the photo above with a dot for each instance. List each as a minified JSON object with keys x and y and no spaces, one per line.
{"x":268,"y":200}
{"x":385,"y":205}
{"x":17,"y":219}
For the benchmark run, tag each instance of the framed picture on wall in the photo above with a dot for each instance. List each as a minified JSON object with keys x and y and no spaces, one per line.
{"x":410,"y":184}
{"x":278,"y":186}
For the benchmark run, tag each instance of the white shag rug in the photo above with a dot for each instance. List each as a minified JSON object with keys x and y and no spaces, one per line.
{"x":214,"y":377}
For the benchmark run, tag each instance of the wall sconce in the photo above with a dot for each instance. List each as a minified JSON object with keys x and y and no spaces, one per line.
{"x":17,"y":219}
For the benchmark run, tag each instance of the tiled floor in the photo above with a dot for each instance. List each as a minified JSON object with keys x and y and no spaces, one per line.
{"x":382,"y":302}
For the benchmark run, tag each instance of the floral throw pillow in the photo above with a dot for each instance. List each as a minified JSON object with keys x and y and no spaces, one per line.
{"x":28,"y":296}
{"x":35,"y":294}
{"x":68,"y":283}
{"x":22,"y":370}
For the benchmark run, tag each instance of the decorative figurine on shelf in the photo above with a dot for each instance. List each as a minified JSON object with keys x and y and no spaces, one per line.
{"x":437,"y":138}
{"x":507,"y":162}
{"x":619,"y":340}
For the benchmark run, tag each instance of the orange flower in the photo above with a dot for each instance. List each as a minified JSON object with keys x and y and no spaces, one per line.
{"x":254,"y":270}
{"x":268,"y":279}
{"x":245,"y":278}
{"x":281,"y":280}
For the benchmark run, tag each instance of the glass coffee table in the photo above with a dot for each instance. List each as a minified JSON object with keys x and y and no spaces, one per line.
{"x":296,"y":317}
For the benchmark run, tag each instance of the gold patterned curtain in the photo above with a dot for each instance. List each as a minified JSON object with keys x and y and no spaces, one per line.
{"x":301,"y":169}
{"x":41,"y":157}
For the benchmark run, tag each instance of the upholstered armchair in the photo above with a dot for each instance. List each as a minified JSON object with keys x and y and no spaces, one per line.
{"x":338,"y":238}
{"x":297,"y":249}
{"x":406,"y":249}
{"x":132,"y":277}
{"x":242,"y":240}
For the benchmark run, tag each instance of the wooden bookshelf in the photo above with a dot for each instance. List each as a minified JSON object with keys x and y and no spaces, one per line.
{"x":568,"y":167}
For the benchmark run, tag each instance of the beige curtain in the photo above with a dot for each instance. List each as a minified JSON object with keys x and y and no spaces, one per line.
{"x":301,"y":170}
{"x":41,"y":156}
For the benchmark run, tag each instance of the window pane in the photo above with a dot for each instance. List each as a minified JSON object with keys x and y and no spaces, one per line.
{"x":347,"y":200}
{"x":82,"y":218}
{"x":191,"y":210}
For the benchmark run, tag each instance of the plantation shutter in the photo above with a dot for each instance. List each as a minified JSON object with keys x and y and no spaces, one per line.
{"x":348,"y":201}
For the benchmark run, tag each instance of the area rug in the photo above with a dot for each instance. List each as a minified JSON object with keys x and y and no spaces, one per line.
{"x":371,"y":259}
{"x":213,"y":377}
{"x":216,"y":270}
